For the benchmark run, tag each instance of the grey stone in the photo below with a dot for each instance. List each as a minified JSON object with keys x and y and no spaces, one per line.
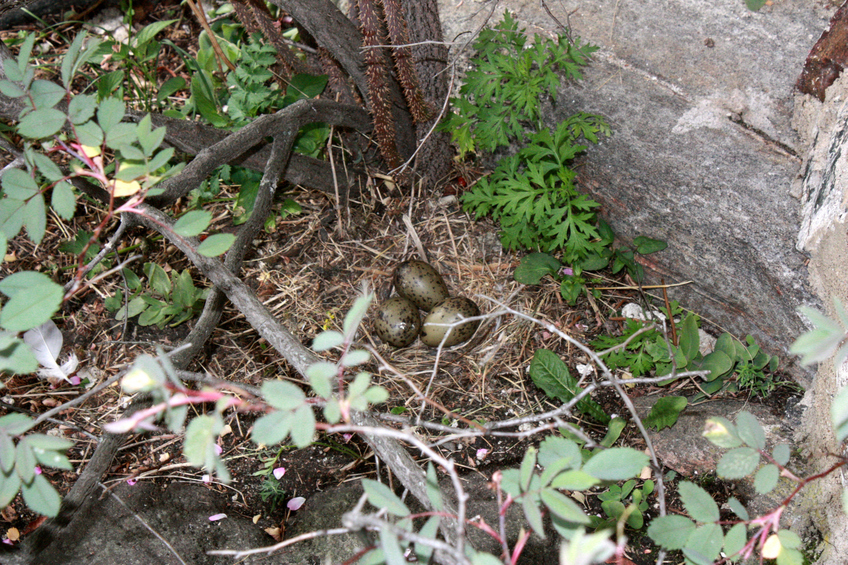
{"x":703,"y":154}
{"x":107,"y":532}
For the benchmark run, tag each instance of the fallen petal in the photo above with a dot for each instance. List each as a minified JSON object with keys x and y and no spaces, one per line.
{"x":216,"y":517}
{"x":279,"y":472}
{"x":295,"y":503}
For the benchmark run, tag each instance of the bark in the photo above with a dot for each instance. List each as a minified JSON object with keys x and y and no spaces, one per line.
{"x":434,"y":159}
{"x":338,"y":35}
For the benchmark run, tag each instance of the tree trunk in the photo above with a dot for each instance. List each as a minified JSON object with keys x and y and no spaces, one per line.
{"x":435,"y":157}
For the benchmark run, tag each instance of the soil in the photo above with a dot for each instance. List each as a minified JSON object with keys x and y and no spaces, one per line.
{"x":308,"y":269}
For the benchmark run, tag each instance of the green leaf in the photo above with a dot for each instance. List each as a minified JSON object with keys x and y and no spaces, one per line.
{"x":82,"y":108}
{"x":550,"y":374}
{"x":614,"y":429}
{"x":109,"y":83}
{"x":819,"y":344}
{"x":558,"y":449}
{"x":584,"y":550}
{"x":839,"y":414}
{"x":41,"y":497}
{"x":665,"y":411}
{"x":18,"y":184}
{"x":671,"y":532}
{"x":46,"y":94}
{"x":15,"y":424}
{"x":429,"y":530}
{"x":528,"y":465}
{"x":217,"y":244}
{"x":63,"y":201}
{"x":201,"y":435}
{"x":50,"y":443}
{"x":169,"y":87}
{"x":40,"y":299}
{"x":148,"y":32}
{"x":721,"y":432}
{"x":303,"y":426}
{"x":10,"y":89}
{"x":332,"y":410}
{"x":11,"y":216}
{"x":790,"y":556}
{"x":193,"y":223}
{"x":381,"y":497}
{"x":158,"y":279}
{"x":718,"y":363}
{"x":434,"y":493}
{"x":272,"y":428}
{"x":563,"y":506}
{"x":306,"y":86}
{"x":90,"y":134}
{"x":121,"y":137}
{"x":321,"y":375}
{"x":689,"y":338}
{"x":41,"y":123}
{"x":110,"y":112}
{"x":750,"y":430}
{"x":17,"y":358}
{"x":698,"y":503}
{"x":574,"y":480}
{"x":355,"y":315}
{"x":789,"y":539}
{"x":204,"y":103}
{"x":10,"y":484}
{"x":327,"y":340}
{"x":25,"y":462}
{"x":737,"y":508}
{"x":646,"y":245}
{"x":7,"y":454}
{"x":391,"y":548}
{"x":35,"y":218}
{"x":704,"y":543}
{"x":282,"y":395}
{"x":533,"y":268}
{"x":766,"y":479}
{"x":616,"y":464}
{"x":738,"y":463}
{"x":533,"y":515}
{"x":72,"y":62}
{"x":735,"y":539}
{"x":355,"y":357}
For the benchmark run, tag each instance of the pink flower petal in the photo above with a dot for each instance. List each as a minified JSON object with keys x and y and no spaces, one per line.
{"x":131,"y":482}
{"x":75,"y":380}
{"x":216,"y":517}
{"x":567,"y":271}
{"x":7,"y":541}
{"x":37,"y":470}
{"x":218,"y":449}
{"x":295,"y":503}
{"x":347,"y":437}
{"x":279,"y":472}
{"x":481,"y":454}
{"x":206,"y":479}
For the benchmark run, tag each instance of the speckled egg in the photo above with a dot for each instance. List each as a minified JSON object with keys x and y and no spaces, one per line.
{"x":447,"y":312}
{"x":420,"y":284}
{"x":397,"y":321}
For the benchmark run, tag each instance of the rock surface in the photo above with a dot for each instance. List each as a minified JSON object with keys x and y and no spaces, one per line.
{"x":110,"y":532}
{"x":703,"y":155}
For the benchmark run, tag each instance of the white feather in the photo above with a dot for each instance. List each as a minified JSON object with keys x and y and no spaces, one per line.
{"x":46,"y":344}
